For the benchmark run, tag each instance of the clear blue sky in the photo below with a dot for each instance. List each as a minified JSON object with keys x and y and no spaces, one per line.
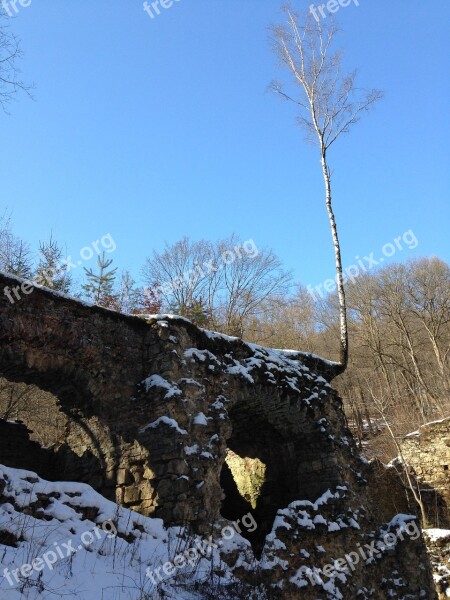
{"x":153,"y":129}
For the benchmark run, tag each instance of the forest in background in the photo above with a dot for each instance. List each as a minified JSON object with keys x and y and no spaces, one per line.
{"x":399,"y":322}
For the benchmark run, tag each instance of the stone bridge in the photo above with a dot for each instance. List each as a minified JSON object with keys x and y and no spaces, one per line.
{"x":195,"y":427}
{"x":162,"y":416}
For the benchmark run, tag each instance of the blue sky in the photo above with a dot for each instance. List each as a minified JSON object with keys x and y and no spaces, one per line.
{"x":150,"y":129}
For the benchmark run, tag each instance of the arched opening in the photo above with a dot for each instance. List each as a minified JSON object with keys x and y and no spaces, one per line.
{"x":60,"y":444}
{"x":267,"y":467}
{"x":38,"y":409}
{"x":256,"y":475}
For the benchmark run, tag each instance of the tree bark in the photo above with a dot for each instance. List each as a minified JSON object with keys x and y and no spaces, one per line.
{"x":339,"y":276}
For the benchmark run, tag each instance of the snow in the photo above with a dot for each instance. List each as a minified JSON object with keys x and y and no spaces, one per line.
{"x":164,"y":317}
{"x":425,"y":425}
{"x":401,"y":521}
{"x":277,"y":367}
{"x":214,"y":335}
{"x":239,"y":369}
{"x":277,"y":355}
{"x":159,"y":382}
{"x":106,"y":565}
{"x":437,"y":534}
{"x":200,"y":419}
{"x":167,"y":421}
{"x":201,"y":355}
{"x":413,"y":434}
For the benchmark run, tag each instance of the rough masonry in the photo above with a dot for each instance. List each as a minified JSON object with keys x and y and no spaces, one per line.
{"x":196,"y":427}
{"x":427,"y":451}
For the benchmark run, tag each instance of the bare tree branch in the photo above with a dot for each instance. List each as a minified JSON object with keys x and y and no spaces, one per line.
{"x":11,"y":53}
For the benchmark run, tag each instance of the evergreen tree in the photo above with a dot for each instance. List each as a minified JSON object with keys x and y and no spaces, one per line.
{"x":19,"y":260}
{"x":50,"y":272}
{"x":100,"y":286}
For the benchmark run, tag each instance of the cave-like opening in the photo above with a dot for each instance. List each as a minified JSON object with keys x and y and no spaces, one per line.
{"x":273,"y":458}
{"x":258,"y":476}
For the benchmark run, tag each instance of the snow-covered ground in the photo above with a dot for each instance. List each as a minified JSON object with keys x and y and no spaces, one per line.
{"x":438,"y":543}
{"x":64,"y":540}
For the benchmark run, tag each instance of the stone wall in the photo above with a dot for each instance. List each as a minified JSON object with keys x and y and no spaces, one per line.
{"x":427,"y":451}
{"x":152,"y":407}
{"x":195,"y":427}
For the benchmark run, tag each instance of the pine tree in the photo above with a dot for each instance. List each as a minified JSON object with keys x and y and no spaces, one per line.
{"x":19,"y":261}
{"x":100,"y":286}
{"x":50,"y":272}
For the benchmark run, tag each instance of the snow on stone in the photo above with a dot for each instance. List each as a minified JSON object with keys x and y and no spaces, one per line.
{"x":167,"y":421}
{"x":418,"y":432}
{"x":436,"y":534}
{"x":319,"y":520}
{"x":159,"y":382}
{"x":200,"y":419}
{"x":188,"y":450}
{"x":200,"y":355}
{"x":206,"y":454}
{"x":214,"y":335}
{"x":239,"y":369}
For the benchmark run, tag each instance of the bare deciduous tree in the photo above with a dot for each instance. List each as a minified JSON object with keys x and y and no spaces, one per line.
{"x":184,"y":272}
{"x":428,"y":293}
{"x":10,"y":55}
{"x":228,"y":279}
{"x":329,"y":102}
{"x":248,"y":282}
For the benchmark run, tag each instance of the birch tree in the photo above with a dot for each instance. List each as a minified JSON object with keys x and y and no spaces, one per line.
{"x":329,"y":104}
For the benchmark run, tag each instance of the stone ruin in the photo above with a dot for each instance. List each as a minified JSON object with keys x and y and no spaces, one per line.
{"x":197,"y":428}
{"x":427,"y":452}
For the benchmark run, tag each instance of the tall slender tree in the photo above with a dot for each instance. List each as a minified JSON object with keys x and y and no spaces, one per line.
{"x":329,"y":103}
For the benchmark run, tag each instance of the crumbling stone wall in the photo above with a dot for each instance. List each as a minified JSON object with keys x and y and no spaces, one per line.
{"x":154,"y":407}
{"x":427,"y":451}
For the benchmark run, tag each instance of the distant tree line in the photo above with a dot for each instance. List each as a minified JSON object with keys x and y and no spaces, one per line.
{"x":399,"y":316}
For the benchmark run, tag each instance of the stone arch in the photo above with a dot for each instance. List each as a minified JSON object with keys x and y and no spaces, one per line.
{"x":276,"y":454}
